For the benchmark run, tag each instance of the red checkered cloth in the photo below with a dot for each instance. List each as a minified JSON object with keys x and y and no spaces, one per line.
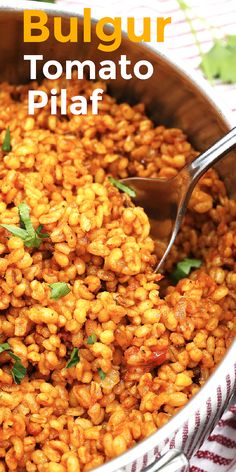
{"x":218,"y":452}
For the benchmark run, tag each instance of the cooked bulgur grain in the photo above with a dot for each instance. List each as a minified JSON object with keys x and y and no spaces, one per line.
{"x":136,"y":357}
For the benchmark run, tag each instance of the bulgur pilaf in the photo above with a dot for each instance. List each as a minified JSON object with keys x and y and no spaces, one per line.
{"x":111,"y":361}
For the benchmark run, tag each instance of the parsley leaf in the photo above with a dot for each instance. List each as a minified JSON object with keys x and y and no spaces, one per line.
{"x":220,"y":61}
{"x":101,"y":374}
{"x":21,"y":233}
{"x":92,"y":339}
{"x":59,"y":289}
{"x":6,"y":145}
{"x":74,"y":358}
{"x":4,"y":347}
{"x":41,"y":235}
{"x":183,"y":269}
{"x":124,"y":188}
{"x":18,"y":371}
{"x":25,"y":221}
{"x":30,"y":236}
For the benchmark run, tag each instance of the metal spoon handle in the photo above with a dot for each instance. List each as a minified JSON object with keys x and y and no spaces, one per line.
{"x":206,"y":160}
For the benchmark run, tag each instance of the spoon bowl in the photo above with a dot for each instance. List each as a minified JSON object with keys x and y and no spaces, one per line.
{"x":165,"y":201}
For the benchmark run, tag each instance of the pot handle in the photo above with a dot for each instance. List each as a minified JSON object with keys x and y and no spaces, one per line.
{"x":172,"y":461}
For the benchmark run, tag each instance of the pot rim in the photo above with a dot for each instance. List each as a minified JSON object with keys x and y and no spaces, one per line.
{"x":227,"y":364}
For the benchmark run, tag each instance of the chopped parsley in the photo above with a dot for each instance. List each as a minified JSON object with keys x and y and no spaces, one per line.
{"x":92,"y":339}
{"x":124,"y":188}
{"x":101,"y":374}
{"x":183,"y":269}
{"x":4,"y":347}
{"x":74,"y":358}
{"x":18,"y":371}
{"x":26,"y":231}
{"x":59,"y":290}
{"x":6,"y":145}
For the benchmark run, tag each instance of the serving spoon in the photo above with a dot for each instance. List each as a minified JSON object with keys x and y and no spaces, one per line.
{"x":165,"y":201}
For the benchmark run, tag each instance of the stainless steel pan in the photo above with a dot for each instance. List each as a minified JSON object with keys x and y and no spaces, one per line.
{"x":177,"y":98}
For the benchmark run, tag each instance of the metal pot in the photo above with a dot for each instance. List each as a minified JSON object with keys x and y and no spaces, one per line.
{"x":172,"y":96}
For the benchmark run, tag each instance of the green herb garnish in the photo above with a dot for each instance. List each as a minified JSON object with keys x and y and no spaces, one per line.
{"x":101,"y":374}
{"x":220,"y":61}
{"x":6,"y":145}
{"x":41,"y":235}
{"x":92,"y":339}
{"x":30,"y":236}
{"x":74,"y":358}
{"x":59,"y":290}
{"x":124,"y":188}
{"x":183,"y":269}
{"x":18,"y":371}
{"x":4,"y":347}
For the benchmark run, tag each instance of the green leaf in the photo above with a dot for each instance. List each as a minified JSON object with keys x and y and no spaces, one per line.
{"x":74,"y":358}
{"x":183,"y":269}
{"x":41,"y":235}
{"x":228,"y":69}
{"x":101,"y":374}
{"x":124,"y":188}
{"x":92,"y":339}
{"x":59,"y":289}
{"x":21,"y":233}
{"x":212,"y":60}
{"x":183,"y":5}
{"x":30,"y":236}
{"x":18,"y":371}
{"x":33,"y":241}
{"x":220,"y":61}
{"x":4,"y":347}
{"x":231,"y":39}
{"x":6,"y":145}
{"x":36,"y":239}
{"x":25,"y":222}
